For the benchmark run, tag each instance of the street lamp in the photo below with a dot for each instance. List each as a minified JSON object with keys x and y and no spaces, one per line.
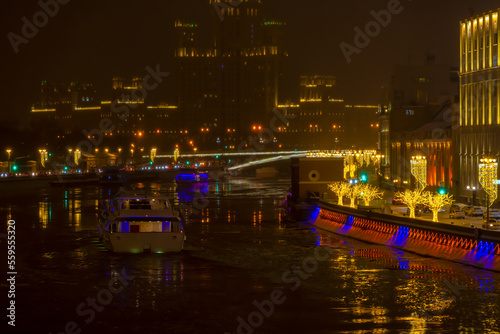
{"x":9,"y":151}
{"x":120,"y":154}
{"x":474,"y":190}
{"x":418,"y":165}
{"x":78,"y":155}
{"x":176,"y":153}
{"x":153,"y":155}
{"x":488,"y":171}
{"x":43,"y":157}
{"x":377,"y":158}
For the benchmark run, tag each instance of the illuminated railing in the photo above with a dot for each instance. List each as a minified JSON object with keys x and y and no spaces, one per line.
{"x":361,"y":106}
{"x":439,"y":238}
{"x":42,"y":110}
{"x":162,"y":107}
{"x":87,"y":108}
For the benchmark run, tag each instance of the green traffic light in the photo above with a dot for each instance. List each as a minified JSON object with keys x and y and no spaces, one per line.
{"x":364,"y":177}
{"x":14,"y":167}
{"x":442,"y":191}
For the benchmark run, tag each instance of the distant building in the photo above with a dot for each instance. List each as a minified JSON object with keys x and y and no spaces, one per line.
{"x":323,"y":121}
{"x":417,"y":119}
{"x":432,"y":139}
{"x":69,"y":114}
{"x":479,"y":99}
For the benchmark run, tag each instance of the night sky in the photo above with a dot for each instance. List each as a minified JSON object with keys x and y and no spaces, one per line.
{"x":94,"y":40}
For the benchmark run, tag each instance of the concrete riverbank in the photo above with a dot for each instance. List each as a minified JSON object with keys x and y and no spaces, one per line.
{"x":464,"y":244}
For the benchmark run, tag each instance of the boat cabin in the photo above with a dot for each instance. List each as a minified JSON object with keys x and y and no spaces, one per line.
{"x":144,"y":224}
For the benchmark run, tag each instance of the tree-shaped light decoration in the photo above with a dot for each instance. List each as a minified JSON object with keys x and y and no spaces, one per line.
{"x":419,"y":170}
{"x":488,"y":177}
{"x":340,"y":189}
{"x":411,"y":198}
{"x":436,"y":202}
{"x":353,"y":194}
{"x":369,"y":193}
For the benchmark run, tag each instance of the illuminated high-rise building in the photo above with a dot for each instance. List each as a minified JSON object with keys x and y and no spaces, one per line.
{"x":479,"y":119}
{"x":323,"y":121}
{"x":231,"y":84}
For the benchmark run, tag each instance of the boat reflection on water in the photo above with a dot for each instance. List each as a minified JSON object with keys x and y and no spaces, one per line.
{"x":189,"y":194}
{"x":191,"y":177}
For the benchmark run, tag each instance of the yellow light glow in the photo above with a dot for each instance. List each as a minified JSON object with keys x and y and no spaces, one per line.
{"x":87,"y":108}
{"x":42,"y":110}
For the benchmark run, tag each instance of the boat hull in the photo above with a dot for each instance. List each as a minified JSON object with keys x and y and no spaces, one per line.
{"x":144,"y":242}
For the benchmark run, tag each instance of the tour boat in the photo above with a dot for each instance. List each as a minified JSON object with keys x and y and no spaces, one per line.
{"x":138,"y":224}
{"x":190,"y":177}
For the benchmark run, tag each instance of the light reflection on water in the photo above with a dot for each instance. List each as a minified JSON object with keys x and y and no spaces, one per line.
{"x":435,"y":293}
{"x":236,"y":251}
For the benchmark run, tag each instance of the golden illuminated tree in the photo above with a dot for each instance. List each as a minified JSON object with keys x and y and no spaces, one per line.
{"x":353,"y":194}
{"x":436,"y":202}
{"x":411,"y":198}
{"x":340,"y":189}
{"x":368,"y":193}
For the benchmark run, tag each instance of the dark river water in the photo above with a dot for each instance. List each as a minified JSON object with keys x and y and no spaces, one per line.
{"x":245,"y":269}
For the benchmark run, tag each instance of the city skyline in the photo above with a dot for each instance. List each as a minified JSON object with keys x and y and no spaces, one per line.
{"x":116,"y":44}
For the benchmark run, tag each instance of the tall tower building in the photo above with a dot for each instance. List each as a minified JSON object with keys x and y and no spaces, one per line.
{"x":479,"y":117}
{"x":233,"y":84}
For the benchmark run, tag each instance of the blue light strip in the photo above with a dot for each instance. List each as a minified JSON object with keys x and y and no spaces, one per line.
{"x":186,"y":177}
{"x":125,"y":227}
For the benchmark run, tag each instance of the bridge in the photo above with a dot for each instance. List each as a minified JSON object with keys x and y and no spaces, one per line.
{"x":264,"y":161}
{"x":240,"y":160}
{"x":231,"y":154}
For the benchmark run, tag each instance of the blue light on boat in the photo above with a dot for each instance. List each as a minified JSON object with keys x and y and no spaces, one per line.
{"x":165,"y":226}
{"x":125,"y":227}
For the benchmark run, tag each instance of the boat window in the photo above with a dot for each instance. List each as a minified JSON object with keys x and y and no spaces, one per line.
{"x":165,"y":226}
{"x":140,"y":205}
{"x":176,"y":227}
